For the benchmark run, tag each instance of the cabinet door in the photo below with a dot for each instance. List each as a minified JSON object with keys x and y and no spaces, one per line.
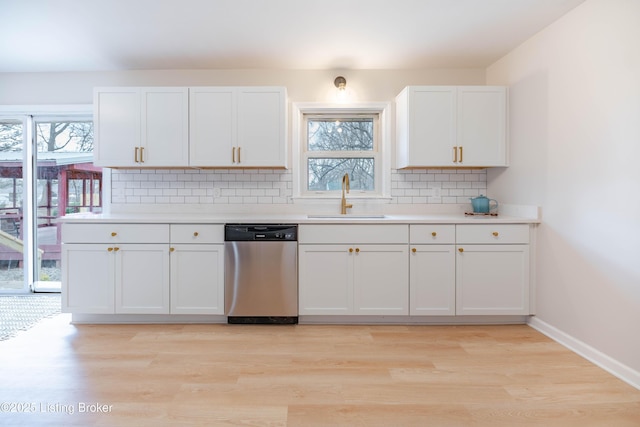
{"x":426,"y":126}
{"x":261,"y":127}
{"x":492,"y":279}
{"x":325,"y":279}
{"x":212,"y":124}
{"x":165,"y":127}
{"x":117,"y":126}
{"x":381,"y":280}
{"x":432,"y":280}
{"x":197,"y":279}
{"x":481,"y":125}
{"x":142,"y":278}
{"x":87,"y":278}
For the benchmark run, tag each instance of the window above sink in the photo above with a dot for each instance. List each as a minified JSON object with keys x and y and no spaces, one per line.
{"x":330,"y":141}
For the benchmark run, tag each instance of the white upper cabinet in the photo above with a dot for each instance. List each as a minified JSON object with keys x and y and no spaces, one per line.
{"x":213,"y":125}
{"x":451,"y":126}
{"x":238,"y":127}
{"x":198,"y":126}
{"x":141,"y":127}
{"x":482,"y":126}
{"x":165,"y":127}
{"x":117,"y":125}
{"x":262,"y":127}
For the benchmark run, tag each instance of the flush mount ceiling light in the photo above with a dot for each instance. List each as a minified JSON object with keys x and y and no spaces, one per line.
{"x":340,"y":82}
{"x":340,"y":93}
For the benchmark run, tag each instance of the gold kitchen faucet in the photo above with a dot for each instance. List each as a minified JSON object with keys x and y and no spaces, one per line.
{"x":345,"y":185}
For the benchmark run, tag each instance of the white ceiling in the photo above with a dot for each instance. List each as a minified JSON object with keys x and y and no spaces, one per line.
{"x":101,"y":35}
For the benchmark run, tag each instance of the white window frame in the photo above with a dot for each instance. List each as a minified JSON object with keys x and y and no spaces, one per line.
{"x":382,"y":143}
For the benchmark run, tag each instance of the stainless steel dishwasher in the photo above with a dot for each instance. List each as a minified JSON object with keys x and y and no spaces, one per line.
{"x":261,"y":273}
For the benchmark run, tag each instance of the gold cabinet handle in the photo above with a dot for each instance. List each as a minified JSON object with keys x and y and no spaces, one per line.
{"x":460,"y":250}
{"x":195,"y":234}
{"x":114,"y":234}
{"x":495,"y":234}
{"x":434,"y":234}
{"x":116,"y":249}
{"x":455,"y":154}
{"x":141,"y":154}
{"x":239,"y":161}
{"x":172,"y":249}
{"x":460,"y":148}
{"x":135,"y":155}
{"x":350,"y":250}
{"x":414,"y":250}
{"x":110,"y":249}
{"x":357,"y":250}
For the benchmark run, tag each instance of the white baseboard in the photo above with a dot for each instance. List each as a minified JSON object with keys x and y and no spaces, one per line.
{"x":615,"y":368}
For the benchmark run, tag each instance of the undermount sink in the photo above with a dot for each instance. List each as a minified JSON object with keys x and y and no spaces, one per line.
{"x":347,"y":216}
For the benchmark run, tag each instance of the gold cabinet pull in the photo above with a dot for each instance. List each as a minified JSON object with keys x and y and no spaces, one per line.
{"x":141,"y":154}
{"x":233,"y":154}
{"x":195,"y":234}
{"x":110,"y":249}
{"x":135,"y":155}
{"x":357,"y":250}
{"x":414,"y":250}
{"x":455,"y":154}
{"x":460,"y":148}
{"x":460,"y":250}
{"x":350,"y":250}
{"x":434,"y":234}
{"x":495,"y":234}
{"x":239,"y":161}
{"x":116,"y":249}
{"x":172,"y":249}
{"x":114,"y":234}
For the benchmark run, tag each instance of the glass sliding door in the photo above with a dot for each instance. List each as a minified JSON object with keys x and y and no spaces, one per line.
{"x":66,"y":182}
{"x":12,"y":248}
{"x":46,"y":171}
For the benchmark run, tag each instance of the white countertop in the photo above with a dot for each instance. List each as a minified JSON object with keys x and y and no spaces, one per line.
{"x":262,"y":218}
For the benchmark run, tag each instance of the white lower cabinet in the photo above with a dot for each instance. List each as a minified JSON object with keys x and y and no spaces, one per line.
{"x":492,"y":279}
{"x":432,"y":280}
{"x":197,"y":269}
{"x":353,"y":280}
{"x":325,"y":284}
{"x":142,"y":279}
{"x":143,"y":268}
{"x":88,"y":278}
{"x":381,"y":280}
{"x":492,"y":269}
{"x":122,"y":278}
{"x":115,"y":268}
{"x":197,"y":279}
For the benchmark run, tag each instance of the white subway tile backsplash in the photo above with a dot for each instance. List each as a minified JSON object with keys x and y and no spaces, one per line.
{"x":266,"y":186}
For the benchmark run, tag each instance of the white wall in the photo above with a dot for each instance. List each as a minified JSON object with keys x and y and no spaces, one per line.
{"x":134,"y":190}
{"x":302,"y":85}
{"x":575,"y":145}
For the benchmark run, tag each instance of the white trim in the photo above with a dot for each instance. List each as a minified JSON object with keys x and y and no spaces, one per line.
{"x":53,"y":109}
{"x":609,"y":364}
{"x":383,"y":109}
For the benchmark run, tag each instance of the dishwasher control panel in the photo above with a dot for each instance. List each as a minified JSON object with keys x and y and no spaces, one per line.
{"x":255,"y":232}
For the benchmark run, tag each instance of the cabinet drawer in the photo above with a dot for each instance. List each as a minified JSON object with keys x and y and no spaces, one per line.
{"x":115,"y":233}
{"x":197,"y":233}
{"x":492,"y":233}
{"x":434,"y":234}
{"x":353,"y":233}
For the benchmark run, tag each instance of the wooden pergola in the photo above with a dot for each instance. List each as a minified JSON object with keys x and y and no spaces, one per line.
{"x":53,"y":169}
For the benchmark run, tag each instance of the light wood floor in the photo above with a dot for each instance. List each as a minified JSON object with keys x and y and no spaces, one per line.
{"x":222,"y":375}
